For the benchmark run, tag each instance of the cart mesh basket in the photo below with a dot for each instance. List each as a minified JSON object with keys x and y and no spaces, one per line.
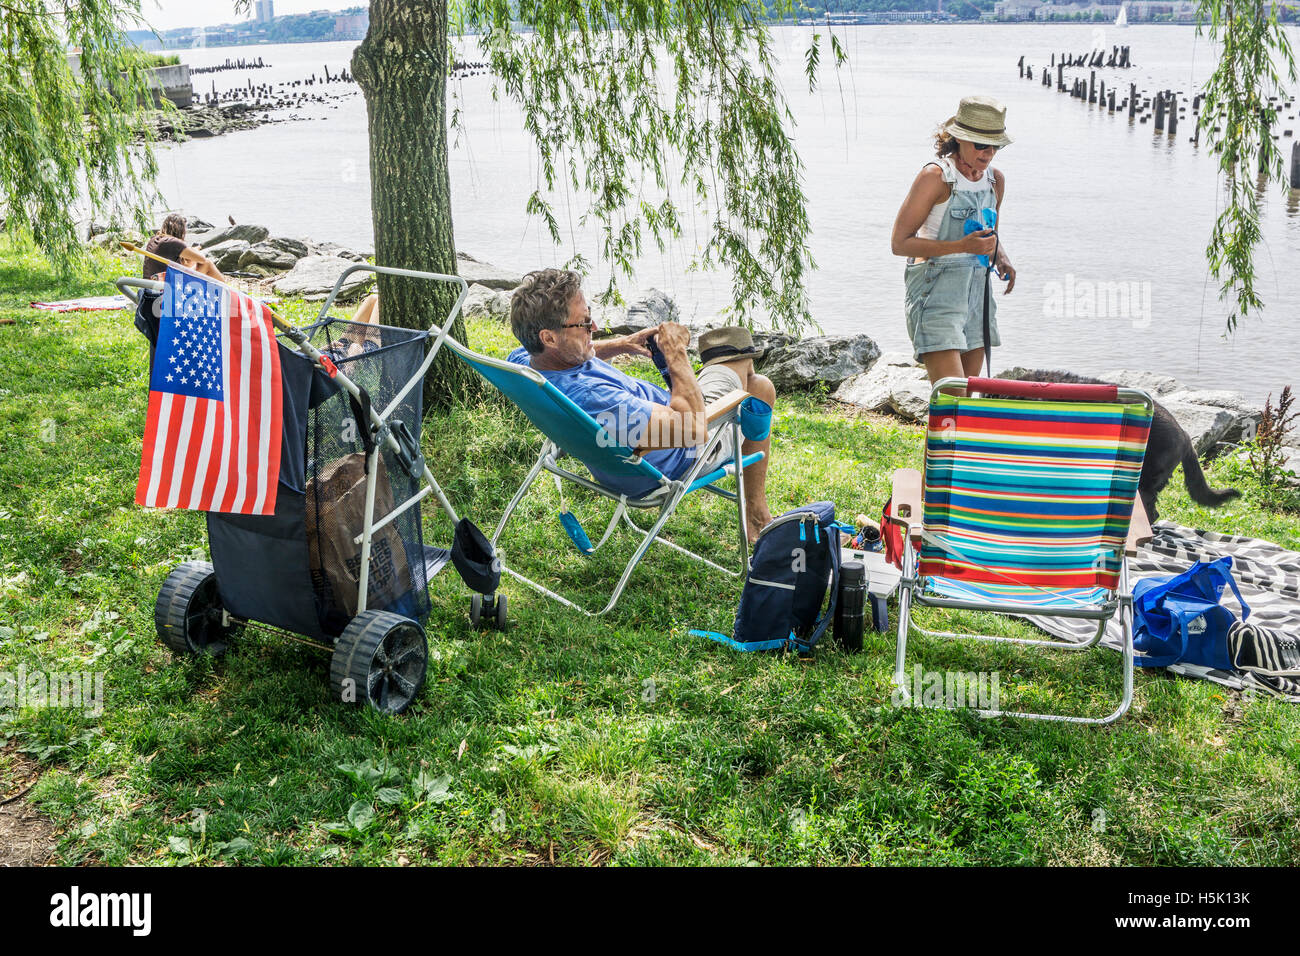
{"x":381,"y":360}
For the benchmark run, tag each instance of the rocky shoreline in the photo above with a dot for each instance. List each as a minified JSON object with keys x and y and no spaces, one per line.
{"x":857,"y":374}
{"x":296,"y":266}
{"x":852,"y":369}
{"x":210,"y":118}
{"x":201,"y":122}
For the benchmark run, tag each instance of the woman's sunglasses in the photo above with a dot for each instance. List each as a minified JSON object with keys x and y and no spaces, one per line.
{"x":980,"y":147}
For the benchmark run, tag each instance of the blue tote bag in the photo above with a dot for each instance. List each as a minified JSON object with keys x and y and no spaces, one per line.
{"x":1180,"y":620}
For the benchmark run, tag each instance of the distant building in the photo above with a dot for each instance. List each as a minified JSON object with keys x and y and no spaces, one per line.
{"x":1017,"y":9}
{"x":265,"y":11}
{"x":887,"y":16}
{"x":351,"y":26}
{"x":144,"y":39}
{"x":1138,"y":10}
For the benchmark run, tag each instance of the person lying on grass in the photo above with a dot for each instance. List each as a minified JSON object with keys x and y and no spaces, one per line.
{"x":550,"y":317}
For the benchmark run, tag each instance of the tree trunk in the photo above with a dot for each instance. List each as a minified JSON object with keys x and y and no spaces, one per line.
{"x":401,"y":67}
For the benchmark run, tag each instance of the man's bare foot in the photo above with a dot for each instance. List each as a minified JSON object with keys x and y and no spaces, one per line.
{"x":755,"y":525}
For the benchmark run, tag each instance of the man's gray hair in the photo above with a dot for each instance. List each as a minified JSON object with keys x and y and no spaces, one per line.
{"x":542,"y":302}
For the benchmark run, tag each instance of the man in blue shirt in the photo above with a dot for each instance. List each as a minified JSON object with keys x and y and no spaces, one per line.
{"x":549,"y":314}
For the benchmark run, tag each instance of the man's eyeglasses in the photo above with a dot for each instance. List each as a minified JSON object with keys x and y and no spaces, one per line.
{"x":589,"y":325}
{"x":980,"y":147}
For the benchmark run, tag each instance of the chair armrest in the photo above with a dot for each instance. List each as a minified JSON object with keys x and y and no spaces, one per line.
{"x":724,"y":404}
{"x":905,"y":499}
{"x":1139,"y":528}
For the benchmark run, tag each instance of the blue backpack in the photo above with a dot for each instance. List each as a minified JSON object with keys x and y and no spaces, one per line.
{"x":795,"y":558}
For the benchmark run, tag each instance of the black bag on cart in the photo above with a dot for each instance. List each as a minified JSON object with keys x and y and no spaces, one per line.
{"x":273,"y":568}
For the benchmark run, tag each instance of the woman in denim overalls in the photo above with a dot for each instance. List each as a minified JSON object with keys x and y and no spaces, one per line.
{"x":945,"y":280}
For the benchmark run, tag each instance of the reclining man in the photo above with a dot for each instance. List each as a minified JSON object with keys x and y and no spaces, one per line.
{"x":550,"y":316}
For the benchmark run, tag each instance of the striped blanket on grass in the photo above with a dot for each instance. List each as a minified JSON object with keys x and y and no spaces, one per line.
{"x":90,"y":303}
{"x":1269,"y":578}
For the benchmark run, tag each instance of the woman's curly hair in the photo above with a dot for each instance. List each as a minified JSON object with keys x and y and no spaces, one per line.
{"x":945,"y":144}
{"x":173,"y":225}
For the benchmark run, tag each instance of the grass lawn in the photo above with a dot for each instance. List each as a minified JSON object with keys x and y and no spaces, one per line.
{"x":567,"y":740}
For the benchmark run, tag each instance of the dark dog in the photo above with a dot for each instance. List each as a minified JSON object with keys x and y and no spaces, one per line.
{"x":1167,"y":447}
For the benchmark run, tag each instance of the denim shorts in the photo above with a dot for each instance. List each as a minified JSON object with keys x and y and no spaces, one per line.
{"x":945,"y":306}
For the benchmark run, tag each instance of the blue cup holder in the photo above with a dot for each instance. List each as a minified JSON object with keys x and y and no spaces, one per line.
{"x":755,"y":419}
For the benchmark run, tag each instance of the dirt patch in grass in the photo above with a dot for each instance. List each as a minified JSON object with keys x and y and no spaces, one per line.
{"x":26,"y":837}
{"x":70,"y":560}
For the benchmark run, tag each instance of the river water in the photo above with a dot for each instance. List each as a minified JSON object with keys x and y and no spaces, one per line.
{"x":1106,"y":221}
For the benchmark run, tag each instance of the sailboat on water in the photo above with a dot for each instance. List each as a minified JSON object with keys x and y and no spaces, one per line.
{"x":1121,"y":21}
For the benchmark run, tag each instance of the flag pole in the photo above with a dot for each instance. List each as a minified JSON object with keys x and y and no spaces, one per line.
{"x":280,"y":323}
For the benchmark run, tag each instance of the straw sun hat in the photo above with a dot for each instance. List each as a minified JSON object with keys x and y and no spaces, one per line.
{"x":979,"y":119}
{"x":728,"y":344}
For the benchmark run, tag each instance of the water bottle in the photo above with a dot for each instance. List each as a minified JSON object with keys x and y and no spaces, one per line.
{"x":849,"y":604}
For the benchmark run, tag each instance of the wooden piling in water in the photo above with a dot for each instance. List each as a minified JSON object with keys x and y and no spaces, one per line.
{"x":1173,"y":115}
{"x":1132,"y":100}
{"x":1295,"y":165}
{"x":1160,"y":112}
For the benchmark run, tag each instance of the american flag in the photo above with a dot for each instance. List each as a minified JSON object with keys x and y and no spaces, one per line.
{"x":212,"y":435}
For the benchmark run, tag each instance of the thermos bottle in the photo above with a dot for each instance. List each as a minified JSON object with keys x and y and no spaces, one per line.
{"x":849,"y":605}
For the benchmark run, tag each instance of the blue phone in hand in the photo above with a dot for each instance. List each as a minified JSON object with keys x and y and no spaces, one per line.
{"x":657,"y":356}
{"x":987,"y":219}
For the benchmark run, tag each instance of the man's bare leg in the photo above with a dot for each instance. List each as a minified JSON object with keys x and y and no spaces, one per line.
{"x":757,"y":514}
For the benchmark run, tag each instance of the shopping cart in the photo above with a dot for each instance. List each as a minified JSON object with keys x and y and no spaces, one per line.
{"x":342,"y":562}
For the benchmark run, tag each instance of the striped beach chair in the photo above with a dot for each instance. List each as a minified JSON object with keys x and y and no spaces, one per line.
{"x":1028,"y":506}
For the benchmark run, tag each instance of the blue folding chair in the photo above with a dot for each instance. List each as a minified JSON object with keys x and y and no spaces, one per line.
{"x":571,"y":431}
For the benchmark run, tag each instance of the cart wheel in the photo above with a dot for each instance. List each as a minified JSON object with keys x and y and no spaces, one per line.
{"x":188,"y":613}
{"x":502,"y":620}
{"x":879,"y":613}
{"x":379,"y":659}
{"x":475,"y":609}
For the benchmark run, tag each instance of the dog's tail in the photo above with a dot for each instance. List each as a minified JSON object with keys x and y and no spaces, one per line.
{"x":1198,"y":487}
